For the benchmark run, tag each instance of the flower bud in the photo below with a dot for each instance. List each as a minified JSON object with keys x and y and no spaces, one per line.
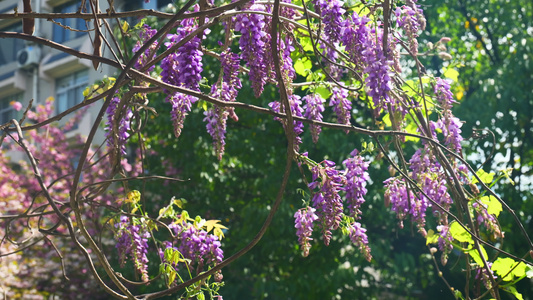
{"x":445,"y":56}
{"x":444,"y":39}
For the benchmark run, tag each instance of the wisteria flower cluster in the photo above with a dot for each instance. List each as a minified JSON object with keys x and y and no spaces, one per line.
{"x":146,"y":33}
{"x":182,"y":68}
{"x":253,"y":43}
{"x":327,"y":204}
{"x":216,"y":116}
{"x":198,"y":247}
{"x":295,"y":103}
{"x":331,"y":12}
{"x":117,"y":126}
{"x":341,"y":105}
{"x":132,"y":241}
{"x":411,"y":20}
{"x":314,"y":107}
{"x":448,"y":123}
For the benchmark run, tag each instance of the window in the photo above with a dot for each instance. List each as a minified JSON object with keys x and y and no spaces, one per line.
{"x":10,"y":47}
{"x":62,"y":34}
{"x":69,"y":90}
{"x":7,"y":112}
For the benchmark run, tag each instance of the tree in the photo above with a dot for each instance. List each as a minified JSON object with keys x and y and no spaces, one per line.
{"x":208,"y":60}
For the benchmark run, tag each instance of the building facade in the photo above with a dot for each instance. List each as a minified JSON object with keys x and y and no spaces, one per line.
{"x":31,"y":71}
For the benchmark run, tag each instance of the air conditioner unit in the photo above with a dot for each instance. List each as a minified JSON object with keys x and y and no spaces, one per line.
{"x":28,"y":57}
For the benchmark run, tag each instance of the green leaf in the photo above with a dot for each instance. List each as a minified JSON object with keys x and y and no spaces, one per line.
{"x":485,"y":177}
{"x":171,"y":274}
{"x":506,"y":174}
{"x":323,"y":92}
{"x":179,"y":202}
{"x":303,"y":66}
{"x":458,"y":294}
{"x":503,"y":267}
{"x":475,"y":255}
{"x":460,"y":234}
{"x":494,"y":207}
{"x":512,"y":290}
{"x":431,"y":237}
{"x":451,"y":74}
{"x":125,"y":26}
{"x":306,"y":43}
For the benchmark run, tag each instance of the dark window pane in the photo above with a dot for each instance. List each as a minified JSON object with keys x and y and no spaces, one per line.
{"x":10,"y":47}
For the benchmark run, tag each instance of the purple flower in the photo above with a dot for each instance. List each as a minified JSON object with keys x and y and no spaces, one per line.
{"x":303,"y":222}
{"x":378,"y":81}
{"x":404,"y":202}
{"x":182,"y":68}
{"x":146,"y":33}
{"x":355,"y":35}
{"x":181,"y":106}
{"x":296,"y":110}
{"x":359,"y":238}
{"x":196,"y":245}
{"x":117,"y":125}
{"x":490,"y":221}
{"x":341,"y":105}
{"x":287,"y":68}
{"x":327,"y":200}
{"x":253,"y":42}
{"x":444,"y":242}
{"x":216,"y":118}
{"x":444,"y":94}
{"x":407,"y":19}
{"x":314,"y":107}
{"x":356,"y":178}
{"x":331,"y":12}
{"x":448,"y":123}
{"x":483,"y":275}
{"x":132,"y":240}
{"x":231,"y":83}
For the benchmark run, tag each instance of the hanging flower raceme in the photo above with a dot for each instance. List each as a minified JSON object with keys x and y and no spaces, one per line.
{"x":448,"y":123}
{"x":182,"y":68}
{"x":331,"y":12}
{"x":359,"y":238}
{"x":314,"y":107}
{"x":327,"y":204}
{"x":146,"y":33}
{"x":303,"y":222}
{"x":231,"y":83}
{"x":117,"y":125}
{"x":327,"y":200}
{"x":356,"y":179}
{"x":196,"y":245}
{"x":341,"y":105}
{"x":378,"y":82}
{"x":354,"y":36}
{"x":132,"y":241}
{"x":216,"y":118}
{"x":404,"y":202}
{"x":407,"y":19}
{"x":254,"y":43}
{"x":287,"y":68}
{"x":296,"y":110}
